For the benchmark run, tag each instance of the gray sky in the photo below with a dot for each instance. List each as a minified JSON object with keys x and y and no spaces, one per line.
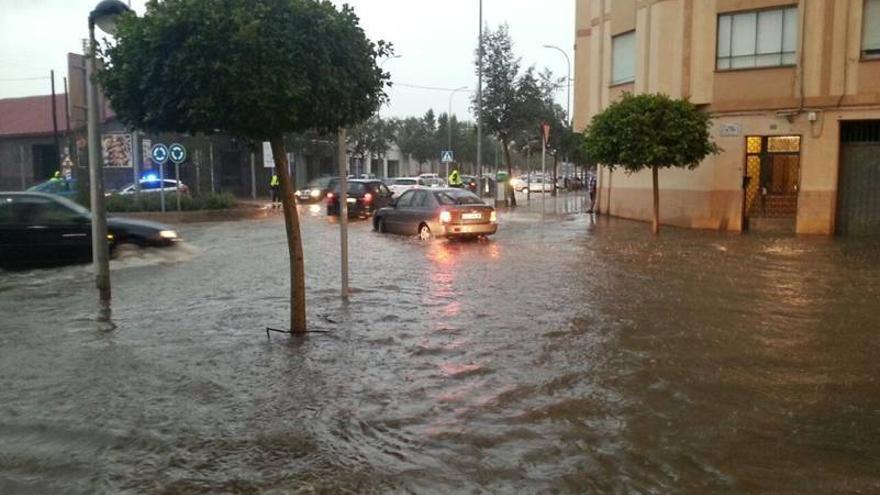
{"x":435,"y":38}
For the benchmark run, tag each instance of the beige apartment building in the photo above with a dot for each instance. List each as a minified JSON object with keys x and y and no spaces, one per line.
{"x":795,"y":90}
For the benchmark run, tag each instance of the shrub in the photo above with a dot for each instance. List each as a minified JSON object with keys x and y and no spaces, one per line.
{"x":118,"y":203}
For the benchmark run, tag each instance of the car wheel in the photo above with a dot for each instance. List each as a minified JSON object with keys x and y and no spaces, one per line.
{"x":524,"y":190}
{"x":425,"y":233}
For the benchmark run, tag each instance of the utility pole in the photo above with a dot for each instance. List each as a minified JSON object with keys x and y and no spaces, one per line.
{"x":21,"y":167}
{"x":342,"y":158}
{"x":55,"y":124}
{"x":543,"y":167}
{"x":70,"y":143}
{"x":211,"y":160}
{"x":480,"y":96}
{"x":136,"y":158}
{"x":100,"y":249}
{"x":253,"y":178}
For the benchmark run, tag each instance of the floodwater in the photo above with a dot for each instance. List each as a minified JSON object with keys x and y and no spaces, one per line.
{"x":567,"y":354}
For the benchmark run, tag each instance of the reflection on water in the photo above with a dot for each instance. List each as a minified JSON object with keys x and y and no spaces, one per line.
{"x":571,"y":354}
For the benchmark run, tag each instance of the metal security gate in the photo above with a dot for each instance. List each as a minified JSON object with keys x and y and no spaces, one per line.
{"x":858,"y":192}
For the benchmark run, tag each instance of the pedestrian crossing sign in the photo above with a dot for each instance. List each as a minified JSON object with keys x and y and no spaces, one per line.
{"x":446,"y":156}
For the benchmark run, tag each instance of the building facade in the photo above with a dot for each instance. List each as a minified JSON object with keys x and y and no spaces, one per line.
{"x":794,"y":86}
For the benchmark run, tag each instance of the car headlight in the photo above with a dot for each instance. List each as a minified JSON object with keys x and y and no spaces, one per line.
{"x":315,"y":193}
{"x":493,"y":217}
{"x":168,"y":234}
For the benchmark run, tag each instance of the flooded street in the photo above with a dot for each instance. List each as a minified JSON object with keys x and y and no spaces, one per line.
{"x":567,"y":354}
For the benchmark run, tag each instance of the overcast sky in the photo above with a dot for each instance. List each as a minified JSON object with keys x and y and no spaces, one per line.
{"x":435,"y":39}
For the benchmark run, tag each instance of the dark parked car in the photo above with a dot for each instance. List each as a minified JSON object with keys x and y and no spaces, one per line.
{"x":42,"y":229}
{"x":316,"y":190}
{"x":364,"y":197}
{"x":437,"y":213}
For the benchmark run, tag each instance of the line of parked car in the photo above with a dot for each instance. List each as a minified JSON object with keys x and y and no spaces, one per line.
{"x":422,"y":206}
{"x":68,"y":188}
{"x":42,"y":226}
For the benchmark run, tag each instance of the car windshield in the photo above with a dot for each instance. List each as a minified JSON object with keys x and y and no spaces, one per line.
{"x":404,"y":182}
{"x":353,"y":188}
{"x":319,"y":183}
{"x":457,"y":197}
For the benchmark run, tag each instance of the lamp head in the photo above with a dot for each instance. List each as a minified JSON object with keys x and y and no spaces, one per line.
{"x":106,"y":14}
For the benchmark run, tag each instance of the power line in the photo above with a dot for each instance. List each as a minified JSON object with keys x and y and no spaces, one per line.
{"x":429,"y":88}
{"x":24,"y":79}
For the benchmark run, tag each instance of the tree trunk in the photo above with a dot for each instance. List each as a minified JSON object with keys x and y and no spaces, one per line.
{"x":294,"y":239}
{"x":655,"y":227}
{"x":508,"y":187}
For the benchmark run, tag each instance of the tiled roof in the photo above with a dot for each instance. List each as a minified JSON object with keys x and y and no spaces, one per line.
{"x":30,"y":115}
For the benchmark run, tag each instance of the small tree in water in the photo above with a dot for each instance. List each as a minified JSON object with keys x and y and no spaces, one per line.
{"x":650,"y":131}
{"x":256,"y":69}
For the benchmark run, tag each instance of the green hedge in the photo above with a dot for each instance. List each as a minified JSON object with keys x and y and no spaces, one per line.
{"x":152,"y":202}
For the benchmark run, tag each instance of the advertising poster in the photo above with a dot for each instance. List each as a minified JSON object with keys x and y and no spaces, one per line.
{"x":117,"y":150}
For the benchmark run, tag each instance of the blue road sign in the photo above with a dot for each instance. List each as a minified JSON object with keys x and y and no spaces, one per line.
{"x":447,"y":156}
{"x":177,"y":153}
{"x":159,"y":152}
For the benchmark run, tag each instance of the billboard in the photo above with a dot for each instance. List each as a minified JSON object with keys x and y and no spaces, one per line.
{"x":117,"y":150}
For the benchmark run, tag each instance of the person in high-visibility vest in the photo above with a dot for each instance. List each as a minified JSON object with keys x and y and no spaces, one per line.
{"x":275,"y":185}
{"x":455,"y":178}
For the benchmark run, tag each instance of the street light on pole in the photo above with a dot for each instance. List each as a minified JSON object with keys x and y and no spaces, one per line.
{"x":449,"y":124}
{"x":567,"y":82}
{"x":104,"y":16}
{"x":480,"y":97}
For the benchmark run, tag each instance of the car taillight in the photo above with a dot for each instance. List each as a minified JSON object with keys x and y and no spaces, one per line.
{"x":368,"y":197}
{"x":493,"y":217}
{"x":445,"y":217}
{"x":330,"y":197}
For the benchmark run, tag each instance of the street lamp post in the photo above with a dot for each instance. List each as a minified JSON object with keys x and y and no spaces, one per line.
{"x":567,"y":82}
{"x":104,"y":16}
{"x":480,"y":98}
{"x":449,"y":124}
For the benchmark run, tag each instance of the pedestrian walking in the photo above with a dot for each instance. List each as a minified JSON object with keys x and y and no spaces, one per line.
{"x":274,"y":186}
{"x":592,"y":189}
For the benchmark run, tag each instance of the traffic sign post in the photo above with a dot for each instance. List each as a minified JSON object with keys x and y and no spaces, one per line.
{"x":447,"y":157}
{"x":177,"y":154}
{"x":160,"y":156}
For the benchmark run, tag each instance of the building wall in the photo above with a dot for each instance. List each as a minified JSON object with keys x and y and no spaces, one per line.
{"x":676,"y":55}
{"x":17,"y":161}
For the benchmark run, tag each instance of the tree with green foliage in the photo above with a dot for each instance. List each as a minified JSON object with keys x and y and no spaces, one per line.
{"x":255,"y":69}
{"x":416,"y":137}
{"x":650,"y":131}
{"x":500,"y":110}
{"x":371,"y":139}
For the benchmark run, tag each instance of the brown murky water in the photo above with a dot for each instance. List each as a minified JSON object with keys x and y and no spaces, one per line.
{"x":563,"y":356}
